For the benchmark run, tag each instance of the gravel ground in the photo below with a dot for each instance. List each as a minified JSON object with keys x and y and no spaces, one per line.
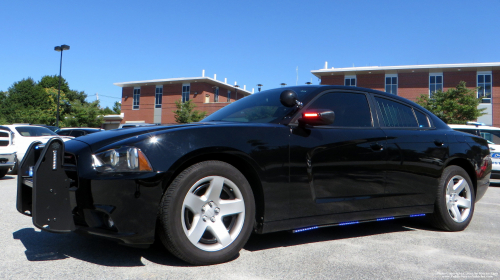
{"x":396,"y":249}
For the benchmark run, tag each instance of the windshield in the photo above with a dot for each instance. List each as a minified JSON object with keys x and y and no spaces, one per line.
{"x":261,"y":107}
{"x":31,"y":131}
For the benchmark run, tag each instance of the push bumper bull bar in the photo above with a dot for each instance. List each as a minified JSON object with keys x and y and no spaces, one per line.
{"x":43,"y":188}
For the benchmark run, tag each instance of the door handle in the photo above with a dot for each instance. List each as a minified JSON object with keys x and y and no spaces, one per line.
{"x":438,"y":142}
{"x":377,"y":147}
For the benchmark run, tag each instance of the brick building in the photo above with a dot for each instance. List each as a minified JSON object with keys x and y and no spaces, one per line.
{"x":153,"y":101}
{"x":410,"y":81}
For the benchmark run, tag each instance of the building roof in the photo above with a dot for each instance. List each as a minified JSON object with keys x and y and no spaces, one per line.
{"x":408,"y":68}
{"x":183,"y":80}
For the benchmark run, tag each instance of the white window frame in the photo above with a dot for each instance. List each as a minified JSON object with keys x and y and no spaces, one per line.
{"x":391,"y":84}
{"x":484,"y":83}
{"x":436,"y":74}
{"x":186,"y":92}
{"x":136,"y":101}
{"x":158,"y":93}
{"x":350,"y":78}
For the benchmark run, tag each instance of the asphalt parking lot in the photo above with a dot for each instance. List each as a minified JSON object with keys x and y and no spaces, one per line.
{"x":397,"y":249}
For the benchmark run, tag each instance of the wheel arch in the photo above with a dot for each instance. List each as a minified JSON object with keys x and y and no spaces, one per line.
{"x":468,"y":167}
{"x":245,"y":165}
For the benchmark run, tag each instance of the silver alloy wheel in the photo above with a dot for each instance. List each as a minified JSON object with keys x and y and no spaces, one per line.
{"x":458,"y":198}
{"x":213,"y":213}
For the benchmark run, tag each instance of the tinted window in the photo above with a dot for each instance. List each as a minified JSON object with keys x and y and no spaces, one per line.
{"x":422,"y":119}
{"x":260,"y":107}
{"x":351,"y":109}
{"x":34,"y":131}
{"x":77,"y":133}
{"x":395,"y":114}
{"x":64,"y":132}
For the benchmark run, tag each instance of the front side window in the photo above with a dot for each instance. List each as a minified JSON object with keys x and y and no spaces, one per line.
{"x":351,"y":109}
{"x":185,"y":92}
{"x":395,"y":114}
{"x":137,"y":97}
{"x":216,"y":95}
{"x":158,"y":96}
{"x":484,"y":87}
{"x":435,"y":83}
{"x":391,"y":84}
{"x":350,"y":81}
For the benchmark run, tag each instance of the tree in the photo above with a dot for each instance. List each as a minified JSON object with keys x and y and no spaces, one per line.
{"x":185,"y":113}
{"x":117,"y":109}
{"x":84,"y":115}
{"x":455,"y":106}
{"x":28,"y":101}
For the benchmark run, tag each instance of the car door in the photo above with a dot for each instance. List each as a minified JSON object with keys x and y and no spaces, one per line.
{"x":337,"y":168}
{"x":416,"y":153}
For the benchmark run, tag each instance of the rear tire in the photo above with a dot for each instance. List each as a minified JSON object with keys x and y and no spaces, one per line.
{"x":207,"y":214}
{"x":455,"y":200}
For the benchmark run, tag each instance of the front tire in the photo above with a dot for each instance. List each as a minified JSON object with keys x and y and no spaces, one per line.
{"x":207,"y":214}
{"x":455,"y":200}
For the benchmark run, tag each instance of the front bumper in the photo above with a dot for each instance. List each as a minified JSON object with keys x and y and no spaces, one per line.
{"x":60,"y":200}
{"x":7,"y":160}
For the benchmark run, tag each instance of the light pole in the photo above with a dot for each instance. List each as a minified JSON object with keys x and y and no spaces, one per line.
{"x":60,"y":48}
{"x":260,"y":86}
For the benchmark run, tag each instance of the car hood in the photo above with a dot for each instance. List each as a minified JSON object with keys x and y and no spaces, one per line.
{"x":108,"y":137}
{"x":104,"y":138}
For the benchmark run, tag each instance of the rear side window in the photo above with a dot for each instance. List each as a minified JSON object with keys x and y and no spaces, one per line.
{"x":394,"y":114}
{"x":351,"y":109}
{"x":422,"y":119}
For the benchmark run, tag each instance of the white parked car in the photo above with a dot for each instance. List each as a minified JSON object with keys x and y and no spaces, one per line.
{"x":7,"y":158}
{"x":18,"y":137}
{"x":490,"y":133}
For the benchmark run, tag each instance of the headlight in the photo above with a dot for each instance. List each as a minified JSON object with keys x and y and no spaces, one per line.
{"x":124,"y":159}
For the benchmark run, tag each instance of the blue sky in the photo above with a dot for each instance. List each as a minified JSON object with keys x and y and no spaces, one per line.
{"x":249,"y":42}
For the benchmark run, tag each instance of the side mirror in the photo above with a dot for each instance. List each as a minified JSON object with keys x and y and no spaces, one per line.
{"x":288,"y":98}
{"x":317,"y":117}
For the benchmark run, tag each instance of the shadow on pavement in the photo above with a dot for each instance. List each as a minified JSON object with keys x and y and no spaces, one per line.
{"x":44,"y":246}
{"x":286,"y":239}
